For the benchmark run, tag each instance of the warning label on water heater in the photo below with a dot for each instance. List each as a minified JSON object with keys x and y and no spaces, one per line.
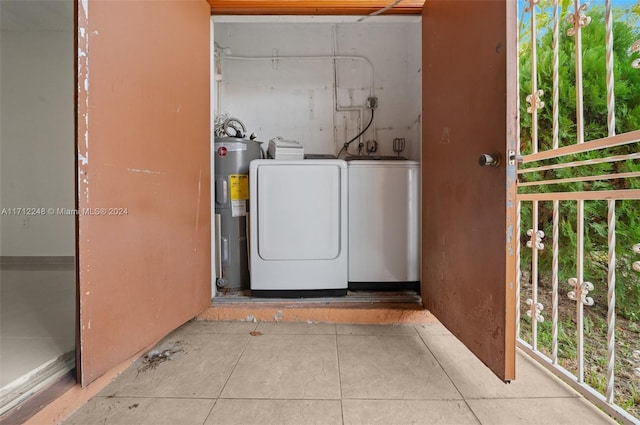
{"x":239,"y":188}
{"x":238,"y":208}
{"x":239,"y":185}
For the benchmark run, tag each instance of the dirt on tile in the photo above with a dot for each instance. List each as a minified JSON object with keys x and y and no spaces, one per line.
{"x":159,"y":355}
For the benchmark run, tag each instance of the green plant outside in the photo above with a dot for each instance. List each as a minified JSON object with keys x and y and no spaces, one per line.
{"x":627,"y":106}
{"x":626,"y":30}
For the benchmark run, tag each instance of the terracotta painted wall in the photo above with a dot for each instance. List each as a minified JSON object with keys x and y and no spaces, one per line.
{"x":143,"y":145}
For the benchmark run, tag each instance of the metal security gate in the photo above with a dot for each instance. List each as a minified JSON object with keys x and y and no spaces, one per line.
{"x":579,"y":197}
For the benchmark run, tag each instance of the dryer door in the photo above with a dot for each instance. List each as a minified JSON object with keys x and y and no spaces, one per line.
{"x":299,"y":212}
{"x":298,"y":225}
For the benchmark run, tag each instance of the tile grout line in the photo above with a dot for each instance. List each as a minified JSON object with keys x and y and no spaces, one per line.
{"x":566,"y":397}
{"x":259,"y":399}
{"x":206,"y":418}
{"x":393,"y":399}
{"x":339,"y":375}
{"x":248,"y":340}
{"x":146,"y":397}
{"x":449,"y":377}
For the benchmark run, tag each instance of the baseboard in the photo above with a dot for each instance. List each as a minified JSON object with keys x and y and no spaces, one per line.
{"x":391,"y":313}
{"x":36,"y":259}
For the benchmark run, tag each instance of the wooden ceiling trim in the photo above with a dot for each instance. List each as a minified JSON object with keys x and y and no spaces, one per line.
{"x":313,"y":7}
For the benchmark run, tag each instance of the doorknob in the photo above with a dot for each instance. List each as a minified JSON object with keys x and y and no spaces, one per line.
{"x":489,"y":160}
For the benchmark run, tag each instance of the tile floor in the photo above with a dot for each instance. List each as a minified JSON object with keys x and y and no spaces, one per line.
{"x":299,"y":373}
{"x":37,"y":317}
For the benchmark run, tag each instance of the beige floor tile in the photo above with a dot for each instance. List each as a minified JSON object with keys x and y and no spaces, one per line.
{"x":297,"y":328}
{"x":200,"y":370}
{"x":209,"y":327}
{"x":407,"y":412}
{"x":535,"y":411}
{"x":432,"y":329}
{"x":275,"y":412}
{"x":391,"y":367}
{"x":141,"y":411}
{"x":286,"y":366}
{"x":345,"y":329}
{"x":475,"y":380}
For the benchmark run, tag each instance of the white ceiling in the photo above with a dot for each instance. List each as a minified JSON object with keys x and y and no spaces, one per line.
{"x":36,"y":15}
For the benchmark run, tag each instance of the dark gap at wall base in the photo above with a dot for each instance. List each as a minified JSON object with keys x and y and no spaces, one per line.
{"x":385,"y":286}
{"x":306,"y":293}
{"x":5,"y":259}
{"x":37,"y":263}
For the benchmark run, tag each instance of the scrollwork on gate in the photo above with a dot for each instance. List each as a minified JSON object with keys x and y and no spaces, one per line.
{"x":580,"y":291}
{"x":578,"y":19}
{"x":635,"y":47}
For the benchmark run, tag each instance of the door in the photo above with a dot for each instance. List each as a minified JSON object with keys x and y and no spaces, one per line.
{"x":143,"y":175}
{"x":469,"y":108}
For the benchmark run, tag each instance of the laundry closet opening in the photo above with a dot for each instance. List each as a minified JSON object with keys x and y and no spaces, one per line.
{"x":316,"y":146}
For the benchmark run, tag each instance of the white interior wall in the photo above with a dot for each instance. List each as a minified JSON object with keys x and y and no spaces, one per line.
{"x":295,"y":98}
{"x":36,"y":131}
{"x":414,"y":81}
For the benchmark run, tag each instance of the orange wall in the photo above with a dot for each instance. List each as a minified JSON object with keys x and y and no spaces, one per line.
{"x":143,"y":145}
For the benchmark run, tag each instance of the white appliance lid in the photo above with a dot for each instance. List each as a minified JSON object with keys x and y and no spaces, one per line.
{"x":279,"y":142}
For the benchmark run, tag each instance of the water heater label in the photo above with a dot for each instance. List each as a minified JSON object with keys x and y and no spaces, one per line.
{"x":239,"y":187}
{"x":238,"y":208}
{"x":239,"y":191}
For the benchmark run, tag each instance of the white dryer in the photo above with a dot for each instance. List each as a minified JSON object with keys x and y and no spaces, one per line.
{"x":298,"y":227}
{"x":384,"y":224}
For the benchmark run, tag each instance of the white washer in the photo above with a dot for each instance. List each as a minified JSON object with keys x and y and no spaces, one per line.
{"x":384,"y":223}
{"x":298,"y":227}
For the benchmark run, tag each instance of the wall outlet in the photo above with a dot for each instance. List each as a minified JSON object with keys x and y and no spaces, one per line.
{"x":372,"y":102}
{"x":25,"y":222}
{"x":372,"y":146}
